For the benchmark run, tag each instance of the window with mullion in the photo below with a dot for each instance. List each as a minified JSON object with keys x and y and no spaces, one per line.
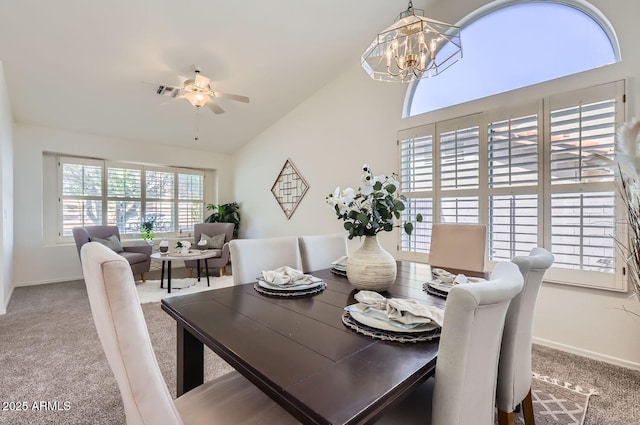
{"x":513,"y":176}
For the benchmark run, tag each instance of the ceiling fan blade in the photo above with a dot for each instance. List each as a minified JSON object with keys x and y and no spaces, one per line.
{"x":237,"y":97}
{"x":215,"y":108}
{"x":164,"y":90}
{"x":171,"y":100}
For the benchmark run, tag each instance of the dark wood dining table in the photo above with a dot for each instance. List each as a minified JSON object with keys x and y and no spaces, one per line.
{"x":298,"y":351}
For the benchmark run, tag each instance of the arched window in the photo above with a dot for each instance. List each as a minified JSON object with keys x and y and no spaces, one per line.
{"x":514,"y":44}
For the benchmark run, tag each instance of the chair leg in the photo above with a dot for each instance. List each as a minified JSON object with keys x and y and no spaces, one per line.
{"x":220,"y":271}
{"x":527,"y":408}
{"x":190,"y":273}
{"x":506,"y":418}
{"x":142,"y":277}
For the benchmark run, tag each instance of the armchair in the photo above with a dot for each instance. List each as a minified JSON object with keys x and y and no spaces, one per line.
{"x":138,"y":257}
{"x":213,"y":229}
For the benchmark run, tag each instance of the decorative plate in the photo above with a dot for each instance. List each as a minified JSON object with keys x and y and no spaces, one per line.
{"x":280,"y":293}
{"x":378,"y":320}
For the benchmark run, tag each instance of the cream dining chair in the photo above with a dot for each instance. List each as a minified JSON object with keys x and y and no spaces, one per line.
{"x":458,"y":246}
{"x":514,"y":371}
{"x":249,"y":257}
{"x":229,"y":399}
{"x":319,"y":251}
{"x":464,"y":388}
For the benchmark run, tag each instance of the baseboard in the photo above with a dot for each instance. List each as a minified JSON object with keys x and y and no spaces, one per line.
{"x":44,"y":282}
{"x":588,"y":354}
{"x":3,"y":308}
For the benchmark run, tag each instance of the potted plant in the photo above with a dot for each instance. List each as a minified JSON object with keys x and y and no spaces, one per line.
{"x":147,"y":230}
{"x":225,"y":213}
{"x":366,"y":211}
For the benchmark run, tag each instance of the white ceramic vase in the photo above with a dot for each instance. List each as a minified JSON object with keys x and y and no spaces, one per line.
{"x":370,"y":267}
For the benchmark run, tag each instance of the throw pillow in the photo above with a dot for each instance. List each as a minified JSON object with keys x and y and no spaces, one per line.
{"x":214,"y":242}
{"x":111,"y":242}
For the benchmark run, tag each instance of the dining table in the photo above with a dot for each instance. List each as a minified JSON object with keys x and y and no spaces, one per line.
{"x":298,"y":350}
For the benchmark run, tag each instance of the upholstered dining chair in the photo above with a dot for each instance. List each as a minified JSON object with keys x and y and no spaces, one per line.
{"x":514,"y":371}
{"x":138,"y":256}
{"x":319,"y":251}
{"x":222,"y":253}
{"x":118,"y":317}
{"x":458,"y":246}
{"x":249,"y":257}
{"x":463,"y":389}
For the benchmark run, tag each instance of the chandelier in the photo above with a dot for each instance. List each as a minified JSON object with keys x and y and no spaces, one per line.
{"x":414,"y":47}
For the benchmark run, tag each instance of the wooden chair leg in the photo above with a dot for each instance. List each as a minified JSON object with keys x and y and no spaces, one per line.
{"x":142,"y":277}
{"x":220,"y":271}
{"x":506,"y":418}
{"x":527,"y":408}
{"x":190,"y":273}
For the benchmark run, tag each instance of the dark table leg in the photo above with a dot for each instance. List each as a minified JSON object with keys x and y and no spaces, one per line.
{"x":162,"y":276}
{"x":198,"y":263}
{"x":206,"y":268}
{"x":190,"y":361}
{"x":169,"y":277}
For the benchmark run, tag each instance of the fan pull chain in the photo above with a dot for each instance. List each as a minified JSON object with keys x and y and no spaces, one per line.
{"x":197,"y":124}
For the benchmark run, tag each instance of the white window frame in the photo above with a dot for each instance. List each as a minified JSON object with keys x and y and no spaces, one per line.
{"x":610,"y":281}
{"x":105,"y":199}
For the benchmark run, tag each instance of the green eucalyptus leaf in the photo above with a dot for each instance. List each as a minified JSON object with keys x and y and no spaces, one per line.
{"x":377,"y":186}
{"x":419,"y":218}
{"x":408,"y":228}
{"x":391,"y":188}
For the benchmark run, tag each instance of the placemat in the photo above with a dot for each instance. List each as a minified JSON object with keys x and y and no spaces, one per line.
{"x":351,"y":323}
{"x":303,"y":293}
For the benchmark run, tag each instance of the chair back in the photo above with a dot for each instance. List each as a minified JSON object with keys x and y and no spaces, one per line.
{"x":83,"y":234}
{"x":319,"y":251}
{"x":514,"y":372}
{"x":458,"y":246}
{"x":249,"y":257}
{"x":213,"y":229}
{"x":467,"y":366}
{"x":124,"y":336}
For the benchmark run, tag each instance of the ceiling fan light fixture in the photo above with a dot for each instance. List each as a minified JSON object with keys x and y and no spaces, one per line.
{"x":414,"y":47}
{"x":196,"y":98}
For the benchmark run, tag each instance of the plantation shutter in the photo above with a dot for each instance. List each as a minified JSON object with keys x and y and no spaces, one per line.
{"x":416,"y":183}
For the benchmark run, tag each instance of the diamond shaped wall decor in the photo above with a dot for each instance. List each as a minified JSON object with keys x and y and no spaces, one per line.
{"x":289,"y":188}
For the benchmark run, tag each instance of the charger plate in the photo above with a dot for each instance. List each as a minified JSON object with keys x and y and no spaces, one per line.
{"x":290,"y":293}
{"x":403,"y":337}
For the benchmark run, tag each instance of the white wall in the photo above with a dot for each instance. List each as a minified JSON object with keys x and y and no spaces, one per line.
{"x":39,"y":258}
{"x":6,"y":194}
{"x":354,"y":120}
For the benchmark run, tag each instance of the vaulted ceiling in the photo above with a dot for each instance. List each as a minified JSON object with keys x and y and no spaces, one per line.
{"x":82,"y":65}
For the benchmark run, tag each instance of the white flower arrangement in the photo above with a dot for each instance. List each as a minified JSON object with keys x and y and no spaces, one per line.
{"x":372,"y":207}
{"x":183,"y":244}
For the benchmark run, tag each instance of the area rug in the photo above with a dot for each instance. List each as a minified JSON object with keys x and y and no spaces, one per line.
{"x":150,"y":291}
{"x":557,"y":403}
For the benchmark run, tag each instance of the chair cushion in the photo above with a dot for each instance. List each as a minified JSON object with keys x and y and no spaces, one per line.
{"x":134,"y":257}
{"x":111,"y":242}
{"x":214,"y":242}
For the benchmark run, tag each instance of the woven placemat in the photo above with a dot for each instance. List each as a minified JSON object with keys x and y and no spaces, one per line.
{"x":351,"y":323}
{"x":289,"y":294}
{"x":426,"y":287}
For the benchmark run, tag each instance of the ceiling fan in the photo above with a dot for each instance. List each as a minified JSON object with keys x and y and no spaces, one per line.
{"x":199,"y":93}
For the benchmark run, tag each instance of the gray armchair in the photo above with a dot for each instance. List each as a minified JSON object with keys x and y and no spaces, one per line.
{"x":138,"y":257}
{"x":212,"y":229}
